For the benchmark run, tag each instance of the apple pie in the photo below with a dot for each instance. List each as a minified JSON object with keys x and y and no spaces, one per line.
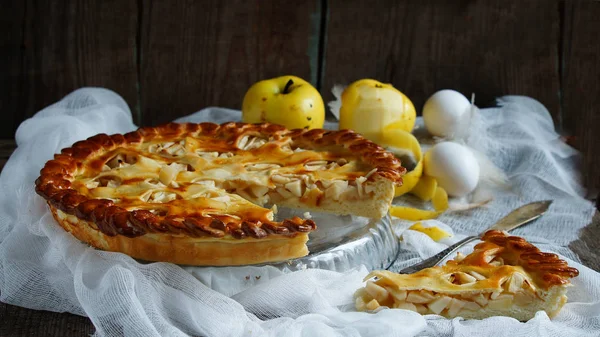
{"x":504,"y":276}
{"x":207,"y":194}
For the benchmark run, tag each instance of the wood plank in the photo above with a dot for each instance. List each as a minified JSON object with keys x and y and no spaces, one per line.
{"x":491,"y":48}
{"x":587,"y":247}
{"x":16,"y":321}
{"x":12,"y":16}
{"x":581,"y":84}
{"x":196,"y":54}
{"x":71,"y":44}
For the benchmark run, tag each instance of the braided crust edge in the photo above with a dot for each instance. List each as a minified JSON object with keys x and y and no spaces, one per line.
{"x":547,"y":269}
{"x":185,"y":250}
{"x":54,"y":183}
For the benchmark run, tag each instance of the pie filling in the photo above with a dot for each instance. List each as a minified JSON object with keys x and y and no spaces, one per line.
{"x":218,"y":181}
{"x":503,"y":276}
{"x":187,"y":178}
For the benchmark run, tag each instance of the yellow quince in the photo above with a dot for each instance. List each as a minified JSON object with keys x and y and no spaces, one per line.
{"x":370,"y":107}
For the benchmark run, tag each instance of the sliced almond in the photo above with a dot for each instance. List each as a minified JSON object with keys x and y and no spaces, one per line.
{"x":261,"y":167}
{"x":243,"y":142}
{"x":207,"y":183}
{"x":162,"y":197}
{"x":316,"y":165}
{"x":279,"y":179}
{"x":207,"y":155}
{"x":255,"y":143}
{"x":250,"y":142}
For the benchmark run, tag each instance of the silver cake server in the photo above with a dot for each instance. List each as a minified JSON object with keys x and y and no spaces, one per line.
{"x":520,"y":216}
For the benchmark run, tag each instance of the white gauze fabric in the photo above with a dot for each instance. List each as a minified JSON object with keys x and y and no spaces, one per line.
{"x":43,"y":267}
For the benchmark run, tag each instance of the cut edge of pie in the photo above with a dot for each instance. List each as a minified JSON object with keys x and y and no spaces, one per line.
{"x":193,"y":193}
{"x":504,"y":276}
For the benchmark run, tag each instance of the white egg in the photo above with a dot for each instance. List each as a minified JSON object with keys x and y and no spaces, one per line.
{"x":454,"y":167}
{"x":444,"y":112}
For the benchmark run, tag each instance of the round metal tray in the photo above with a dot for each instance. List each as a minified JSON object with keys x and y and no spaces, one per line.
{"x":341,"y":243}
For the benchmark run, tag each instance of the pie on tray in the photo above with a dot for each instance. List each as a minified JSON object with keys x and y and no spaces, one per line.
{"x":504,"y":276}
{"x":197,"y":193}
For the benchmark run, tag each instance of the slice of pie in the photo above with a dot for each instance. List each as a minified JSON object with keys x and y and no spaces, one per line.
{"x":504,"y":276}
{"x":206,"y":194}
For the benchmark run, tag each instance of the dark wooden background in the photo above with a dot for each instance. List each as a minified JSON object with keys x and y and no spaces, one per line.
{"x":171,"y":58}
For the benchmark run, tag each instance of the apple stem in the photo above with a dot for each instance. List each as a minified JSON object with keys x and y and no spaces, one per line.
{"x":287,"y":86}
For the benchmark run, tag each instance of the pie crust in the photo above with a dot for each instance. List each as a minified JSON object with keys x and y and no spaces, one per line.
{"x":504,"y":276}
{"x":195,"y":193}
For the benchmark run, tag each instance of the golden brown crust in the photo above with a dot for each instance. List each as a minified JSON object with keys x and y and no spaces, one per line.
{"x":55,"y":181}
{"x":505,"y":275}
{"x":547,"y":269}
{"x":186,"y":250}
{"x":60,"y":182}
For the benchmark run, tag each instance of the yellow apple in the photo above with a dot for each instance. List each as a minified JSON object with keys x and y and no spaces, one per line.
{"x":287,"y":100}
{"x":370,"y":107}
